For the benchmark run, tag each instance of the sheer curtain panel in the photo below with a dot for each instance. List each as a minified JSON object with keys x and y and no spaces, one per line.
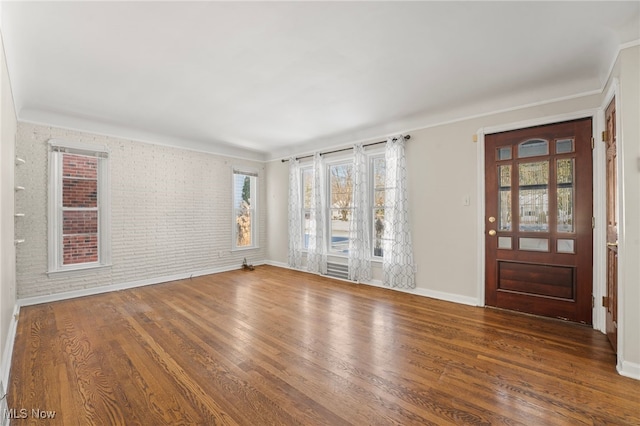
{"x":359,"y":226}
{"x":317,"y":249}
{"x":397,"y":261}
{"x":295,"y":208}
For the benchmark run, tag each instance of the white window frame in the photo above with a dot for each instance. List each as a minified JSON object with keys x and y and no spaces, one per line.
{"x":253,"y":174}
{"x":57,"y":148}
{"x":373,"y":154}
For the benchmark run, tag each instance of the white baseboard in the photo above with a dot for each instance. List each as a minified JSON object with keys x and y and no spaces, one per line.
{"x":36,"y":300}
{"x":278,"y":264}
{"x":447,"y":297}
{"x":629,"y":369}
{"x":5,"y":368}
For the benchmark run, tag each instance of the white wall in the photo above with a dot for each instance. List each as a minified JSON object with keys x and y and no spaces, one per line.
{"x":442,"y":171}
{"x":171,"y":214}
{"x":7,"y":248}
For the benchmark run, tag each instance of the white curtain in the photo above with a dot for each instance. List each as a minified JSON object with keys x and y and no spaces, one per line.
{"x":359,"y":226}
{"x":295,"y":210}
{"x":397,"y":258}
{"x":316,"y":250}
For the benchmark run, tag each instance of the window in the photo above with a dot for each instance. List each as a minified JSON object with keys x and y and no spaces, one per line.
{"x":78,"y":206}
{"x":378,"y":170}
{"x":340,"y":206}
{"x":245,"y":192}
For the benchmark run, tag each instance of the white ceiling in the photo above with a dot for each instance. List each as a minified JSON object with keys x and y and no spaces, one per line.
{"x":267,"y":79}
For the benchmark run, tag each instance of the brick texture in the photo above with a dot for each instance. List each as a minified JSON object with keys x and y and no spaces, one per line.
{"x":79,"y":193}
{"x":171,"y":212}
{"x":80,"y":248}
{"x":80,"y":222}
{"x":80,"y":227}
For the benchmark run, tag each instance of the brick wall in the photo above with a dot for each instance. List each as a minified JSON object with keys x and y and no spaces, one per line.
{"x":171,"y":212}
{"x":79,"y":191}
{"x":79,"y":248}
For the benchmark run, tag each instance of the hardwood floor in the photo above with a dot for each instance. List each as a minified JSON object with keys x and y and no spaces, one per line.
{"x":274,"y":346}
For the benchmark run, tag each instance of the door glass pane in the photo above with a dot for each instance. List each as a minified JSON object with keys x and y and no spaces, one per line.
{"x":504,"y":198}
{"x":533,"y":148}
{"x":533,"y":197}
{"x":565,"y":246}
{"x":564,"y":145}
{"x":504,"y":243}
{"x":565,"y":194}
{"x":504,"y":153}
{"x":534,"y":244}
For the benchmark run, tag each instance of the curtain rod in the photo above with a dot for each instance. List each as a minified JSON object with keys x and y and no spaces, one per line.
{"x":284,"y":160}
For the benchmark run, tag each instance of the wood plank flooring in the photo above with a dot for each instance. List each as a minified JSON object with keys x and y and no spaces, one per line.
{"x":279,"y":347}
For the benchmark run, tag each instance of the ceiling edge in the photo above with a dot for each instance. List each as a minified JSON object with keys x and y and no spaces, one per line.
{"x":61,"y":121}
{"x":411,"y":125}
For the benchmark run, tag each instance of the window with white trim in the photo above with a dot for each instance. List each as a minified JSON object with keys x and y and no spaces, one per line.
{"x":245,"y":224}
{"x":377,"y":167}
{"x":340,"y":206}
{"x":78,"y":206}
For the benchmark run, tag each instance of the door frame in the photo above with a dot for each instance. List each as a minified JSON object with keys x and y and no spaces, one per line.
{"x":599,"y":198}
{"x":614,"y":92}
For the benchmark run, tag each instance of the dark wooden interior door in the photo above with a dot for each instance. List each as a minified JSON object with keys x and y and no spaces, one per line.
{"x":539,"y":211}
{"x":611,"y":299}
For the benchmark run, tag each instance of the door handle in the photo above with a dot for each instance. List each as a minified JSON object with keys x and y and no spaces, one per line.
{"x":612,"y":244}
{"x":492,"y":232}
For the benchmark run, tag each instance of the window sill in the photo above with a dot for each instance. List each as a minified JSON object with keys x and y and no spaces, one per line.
{"x":345,"y":256}
{"x":244,"y":248}
{"x":76,"y":270}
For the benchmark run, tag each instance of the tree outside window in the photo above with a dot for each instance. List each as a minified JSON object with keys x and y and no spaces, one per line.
{"x":244,"y":196}
{"x":341,"y":207}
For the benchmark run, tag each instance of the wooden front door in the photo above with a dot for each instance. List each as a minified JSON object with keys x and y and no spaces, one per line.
{"x":611,"y":299}
{"x":538,"y":221}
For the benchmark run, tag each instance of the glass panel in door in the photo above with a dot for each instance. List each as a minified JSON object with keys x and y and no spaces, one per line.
{"x":533,"y":196}
{"x":504,"y":198}
{"x":565,"y":194}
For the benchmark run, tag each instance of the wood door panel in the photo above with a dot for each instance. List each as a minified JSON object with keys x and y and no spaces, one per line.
{"x":549,"y":281}
{"x":544,"y":306}
{"x":611,"y":298}
{"x":539,"y":190}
